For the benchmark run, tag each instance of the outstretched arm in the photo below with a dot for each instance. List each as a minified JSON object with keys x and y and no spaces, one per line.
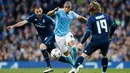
{"x":82,"y":18}
{"x":52,"y":12}
{"x":19,"y":24}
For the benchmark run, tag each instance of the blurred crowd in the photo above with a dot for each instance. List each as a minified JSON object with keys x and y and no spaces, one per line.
{"x":23,"y":43}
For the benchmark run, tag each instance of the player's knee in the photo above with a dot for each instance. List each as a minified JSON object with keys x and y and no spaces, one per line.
{"x":71,"y":43}
{"x":66,"y":53}
{"x":84,"y":55}
{"x":43,"y":46}
{"x":105,"y":56}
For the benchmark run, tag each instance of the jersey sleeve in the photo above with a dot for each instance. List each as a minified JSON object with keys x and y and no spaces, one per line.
{"x":30,"y":18}
{"x":110,"y":20}
{"x":58,"y":12}
{"x":89,"y":24}
{"x":88,"y":32}
{"x":113,"y":27}
{"x":75,"y":15}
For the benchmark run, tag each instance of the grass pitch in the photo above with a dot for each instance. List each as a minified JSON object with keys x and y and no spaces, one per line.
{"x":61,"y":70}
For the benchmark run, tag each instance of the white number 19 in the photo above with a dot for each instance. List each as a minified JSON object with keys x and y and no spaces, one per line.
{"x":102,"y":24}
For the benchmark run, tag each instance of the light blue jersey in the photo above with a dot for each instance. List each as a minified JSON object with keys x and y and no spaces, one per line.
{"x":63,"y":21}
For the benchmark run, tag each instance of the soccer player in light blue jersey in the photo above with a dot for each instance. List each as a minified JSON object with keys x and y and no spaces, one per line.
{"x":63,"y":36}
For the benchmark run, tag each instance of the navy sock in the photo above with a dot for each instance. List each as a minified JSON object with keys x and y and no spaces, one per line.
{"x":46,"y":57}
{"x":104,"y":64}
{"x":63,"y":59}
{"x":79,"y":61}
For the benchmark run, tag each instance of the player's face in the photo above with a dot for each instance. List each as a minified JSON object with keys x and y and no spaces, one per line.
{"x":38,"y":11}
{"x":67,"y":8}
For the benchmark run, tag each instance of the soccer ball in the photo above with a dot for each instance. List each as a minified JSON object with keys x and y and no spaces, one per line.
{"x":56,"y":53}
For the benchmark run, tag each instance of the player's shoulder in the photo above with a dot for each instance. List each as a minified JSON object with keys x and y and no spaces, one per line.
{"x":46,"y":16}
{"x":33,"y":15}
{"x":60,"y":10}
{"x":90,"y":18}
{"x":71,"y":11}
{"x":106,"y":14}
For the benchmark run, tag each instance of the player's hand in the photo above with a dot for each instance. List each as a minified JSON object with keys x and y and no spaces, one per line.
{"x":80,"y":46}
{"x":56,"y":8}
{"x":9,"y":27}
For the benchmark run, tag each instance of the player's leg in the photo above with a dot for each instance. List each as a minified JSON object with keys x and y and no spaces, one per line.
{"x":89,"y":49}
{"x":43,"y":48}
{"x":69,"y":58}
{"x":74,"y":53}
{"x":74,"y":50}
{"x":46,"y":48}
{"x":71,"y":43}
{"x":104,"y":62}
{"x":60,"y":41}
{"x":62,"y":58}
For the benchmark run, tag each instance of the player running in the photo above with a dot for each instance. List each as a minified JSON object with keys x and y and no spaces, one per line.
{"x":102,"y":28}
{"x":63,"y":36}
{"x":42,"y":24}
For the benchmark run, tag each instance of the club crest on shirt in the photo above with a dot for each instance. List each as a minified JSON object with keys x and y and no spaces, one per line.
{"x":43,"y":20}
{"x":35,"y":19}
{"x":71,"y":16}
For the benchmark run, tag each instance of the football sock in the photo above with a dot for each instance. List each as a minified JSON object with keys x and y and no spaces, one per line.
{"x":69,"y":59}
{"x":79,"y":61}
{"x":104,"y":64}
{"x":63,"y":59}
{"x":74,"y":53}
{"x":46,"y":57}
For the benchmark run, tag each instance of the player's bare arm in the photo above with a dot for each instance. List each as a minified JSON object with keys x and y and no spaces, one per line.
{"x":19,"y":24}
{"x":52,"y":12}
{"x":82,"y":18}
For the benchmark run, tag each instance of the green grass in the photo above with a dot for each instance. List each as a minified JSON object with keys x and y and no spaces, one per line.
{"x":61,"y":70}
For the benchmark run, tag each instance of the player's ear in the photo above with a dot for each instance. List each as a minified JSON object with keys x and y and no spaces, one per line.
{"x":41,"y":9}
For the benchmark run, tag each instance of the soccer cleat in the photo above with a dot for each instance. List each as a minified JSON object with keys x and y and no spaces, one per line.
{"x":74,"y":70}
{"x":80,"y":66}
{"x":48,"y":69}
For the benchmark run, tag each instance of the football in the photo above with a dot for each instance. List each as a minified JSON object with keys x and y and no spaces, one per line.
{"x":56,"y":53}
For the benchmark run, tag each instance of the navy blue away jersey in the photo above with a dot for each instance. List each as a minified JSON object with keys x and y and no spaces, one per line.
{"x":42,"y":24}
{"x":99,"y":24}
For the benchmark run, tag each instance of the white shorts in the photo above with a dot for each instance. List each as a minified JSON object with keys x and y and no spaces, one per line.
{"x":62,"y":41}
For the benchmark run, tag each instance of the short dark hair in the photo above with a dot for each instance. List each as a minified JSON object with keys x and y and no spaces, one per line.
{"x":68,"y":2}
{"x":37,"y":7}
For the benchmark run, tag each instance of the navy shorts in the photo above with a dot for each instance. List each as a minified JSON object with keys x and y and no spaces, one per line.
{"x":49,"y":42}
{"x":93,"y":46}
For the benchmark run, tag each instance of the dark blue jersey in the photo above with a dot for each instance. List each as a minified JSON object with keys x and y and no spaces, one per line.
{"x":99,"y":25}
{"x":42,"y":24}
